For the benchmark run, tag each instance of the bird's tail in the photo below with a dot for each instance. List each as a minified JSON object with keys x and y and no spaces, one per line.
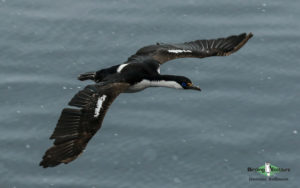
{"x":87,"y":76}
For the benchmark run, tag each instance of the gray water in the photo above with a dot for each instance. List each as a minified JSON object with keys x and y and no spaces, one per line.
{"x":247,"y":113}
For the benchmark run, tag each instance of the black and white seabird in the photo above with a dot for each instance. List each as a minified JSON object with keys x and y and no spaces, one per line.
{"x":77,"y":125}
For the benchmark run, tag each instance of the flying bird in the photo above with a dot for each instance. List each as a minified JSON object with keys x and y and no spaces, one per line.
{"x":77,"y":125}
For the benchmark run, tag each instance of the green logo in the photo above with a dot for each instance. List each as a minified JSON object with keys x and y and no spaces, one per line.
{"x":268,"y":169}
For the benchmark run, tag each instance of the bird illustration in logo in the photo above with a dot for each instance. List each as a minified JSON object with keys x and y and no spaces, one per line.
{"x":268,"y":168}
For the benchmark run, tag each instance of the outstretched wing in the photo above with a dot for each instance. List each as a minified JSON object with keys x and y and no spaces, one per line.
{"x":197,"y":49}
{"x":76,"y":126}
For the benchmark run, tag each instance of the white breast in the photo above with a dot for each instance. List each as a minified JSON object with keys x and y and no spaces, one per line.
{"x":147,"y":83}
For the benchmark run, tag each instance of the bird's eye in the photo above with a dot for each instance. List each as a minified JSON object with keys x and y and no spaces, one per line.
{"x":183,"y":84}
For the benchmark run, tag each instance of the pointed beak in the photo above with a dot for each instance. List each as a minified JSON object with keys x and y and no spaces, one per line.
{"x":193,"y":87}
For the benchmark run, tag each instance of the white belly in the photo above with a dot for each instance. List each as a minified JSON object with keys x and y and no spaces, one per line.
{"x":147,"y":83}
{"x":137,"y":87}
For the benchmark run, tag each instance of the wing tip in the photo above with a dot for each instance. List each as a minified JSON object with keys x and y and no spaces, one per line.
{"x":43,"y":164}
{"x":247,"y":35}
{"x":48,"y":162}
{"x":245,"y":39}
{"x":58,"y":154}
{"x":250,"y":34}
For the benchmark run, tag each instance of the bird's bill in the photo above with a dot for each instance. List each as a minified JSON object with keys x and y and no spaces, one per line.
{"x":191,"y":86}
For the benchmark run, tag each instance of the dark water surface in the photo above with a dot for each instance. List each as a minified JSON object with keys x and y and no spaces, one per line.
{"x":247,"y":113}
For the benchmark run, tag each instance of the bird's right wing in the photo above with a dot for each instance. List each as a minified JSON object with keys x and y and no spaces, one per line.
{"x":197,"y":49}
{"x":76,"y":126}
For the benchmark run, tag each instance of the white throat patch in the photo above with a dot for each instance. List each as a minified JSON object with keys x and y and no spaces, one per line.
{"x":99,"y":105}
{"x":179,"y":51}
{"x":121,"y":67}
{"x":161,"y":83}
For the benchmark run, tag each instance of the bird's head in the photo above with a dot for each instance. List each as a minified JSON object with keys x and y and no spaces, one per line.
{"x":186,"y":83}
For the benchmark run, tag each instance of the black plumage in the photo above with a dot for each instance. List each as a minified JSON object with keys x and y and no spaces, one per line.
{"x":76,"y":126}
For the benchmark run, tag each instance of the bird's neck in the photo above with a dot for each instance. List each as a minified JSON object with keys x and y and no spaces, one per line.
{"x":163,"y":81}
{"x":164,"y":77}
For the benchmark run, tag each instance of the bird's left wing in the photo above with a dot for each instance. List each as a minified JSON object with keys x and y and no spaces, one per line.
{"x":76,"y":126}
{"x":198,"y":49}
